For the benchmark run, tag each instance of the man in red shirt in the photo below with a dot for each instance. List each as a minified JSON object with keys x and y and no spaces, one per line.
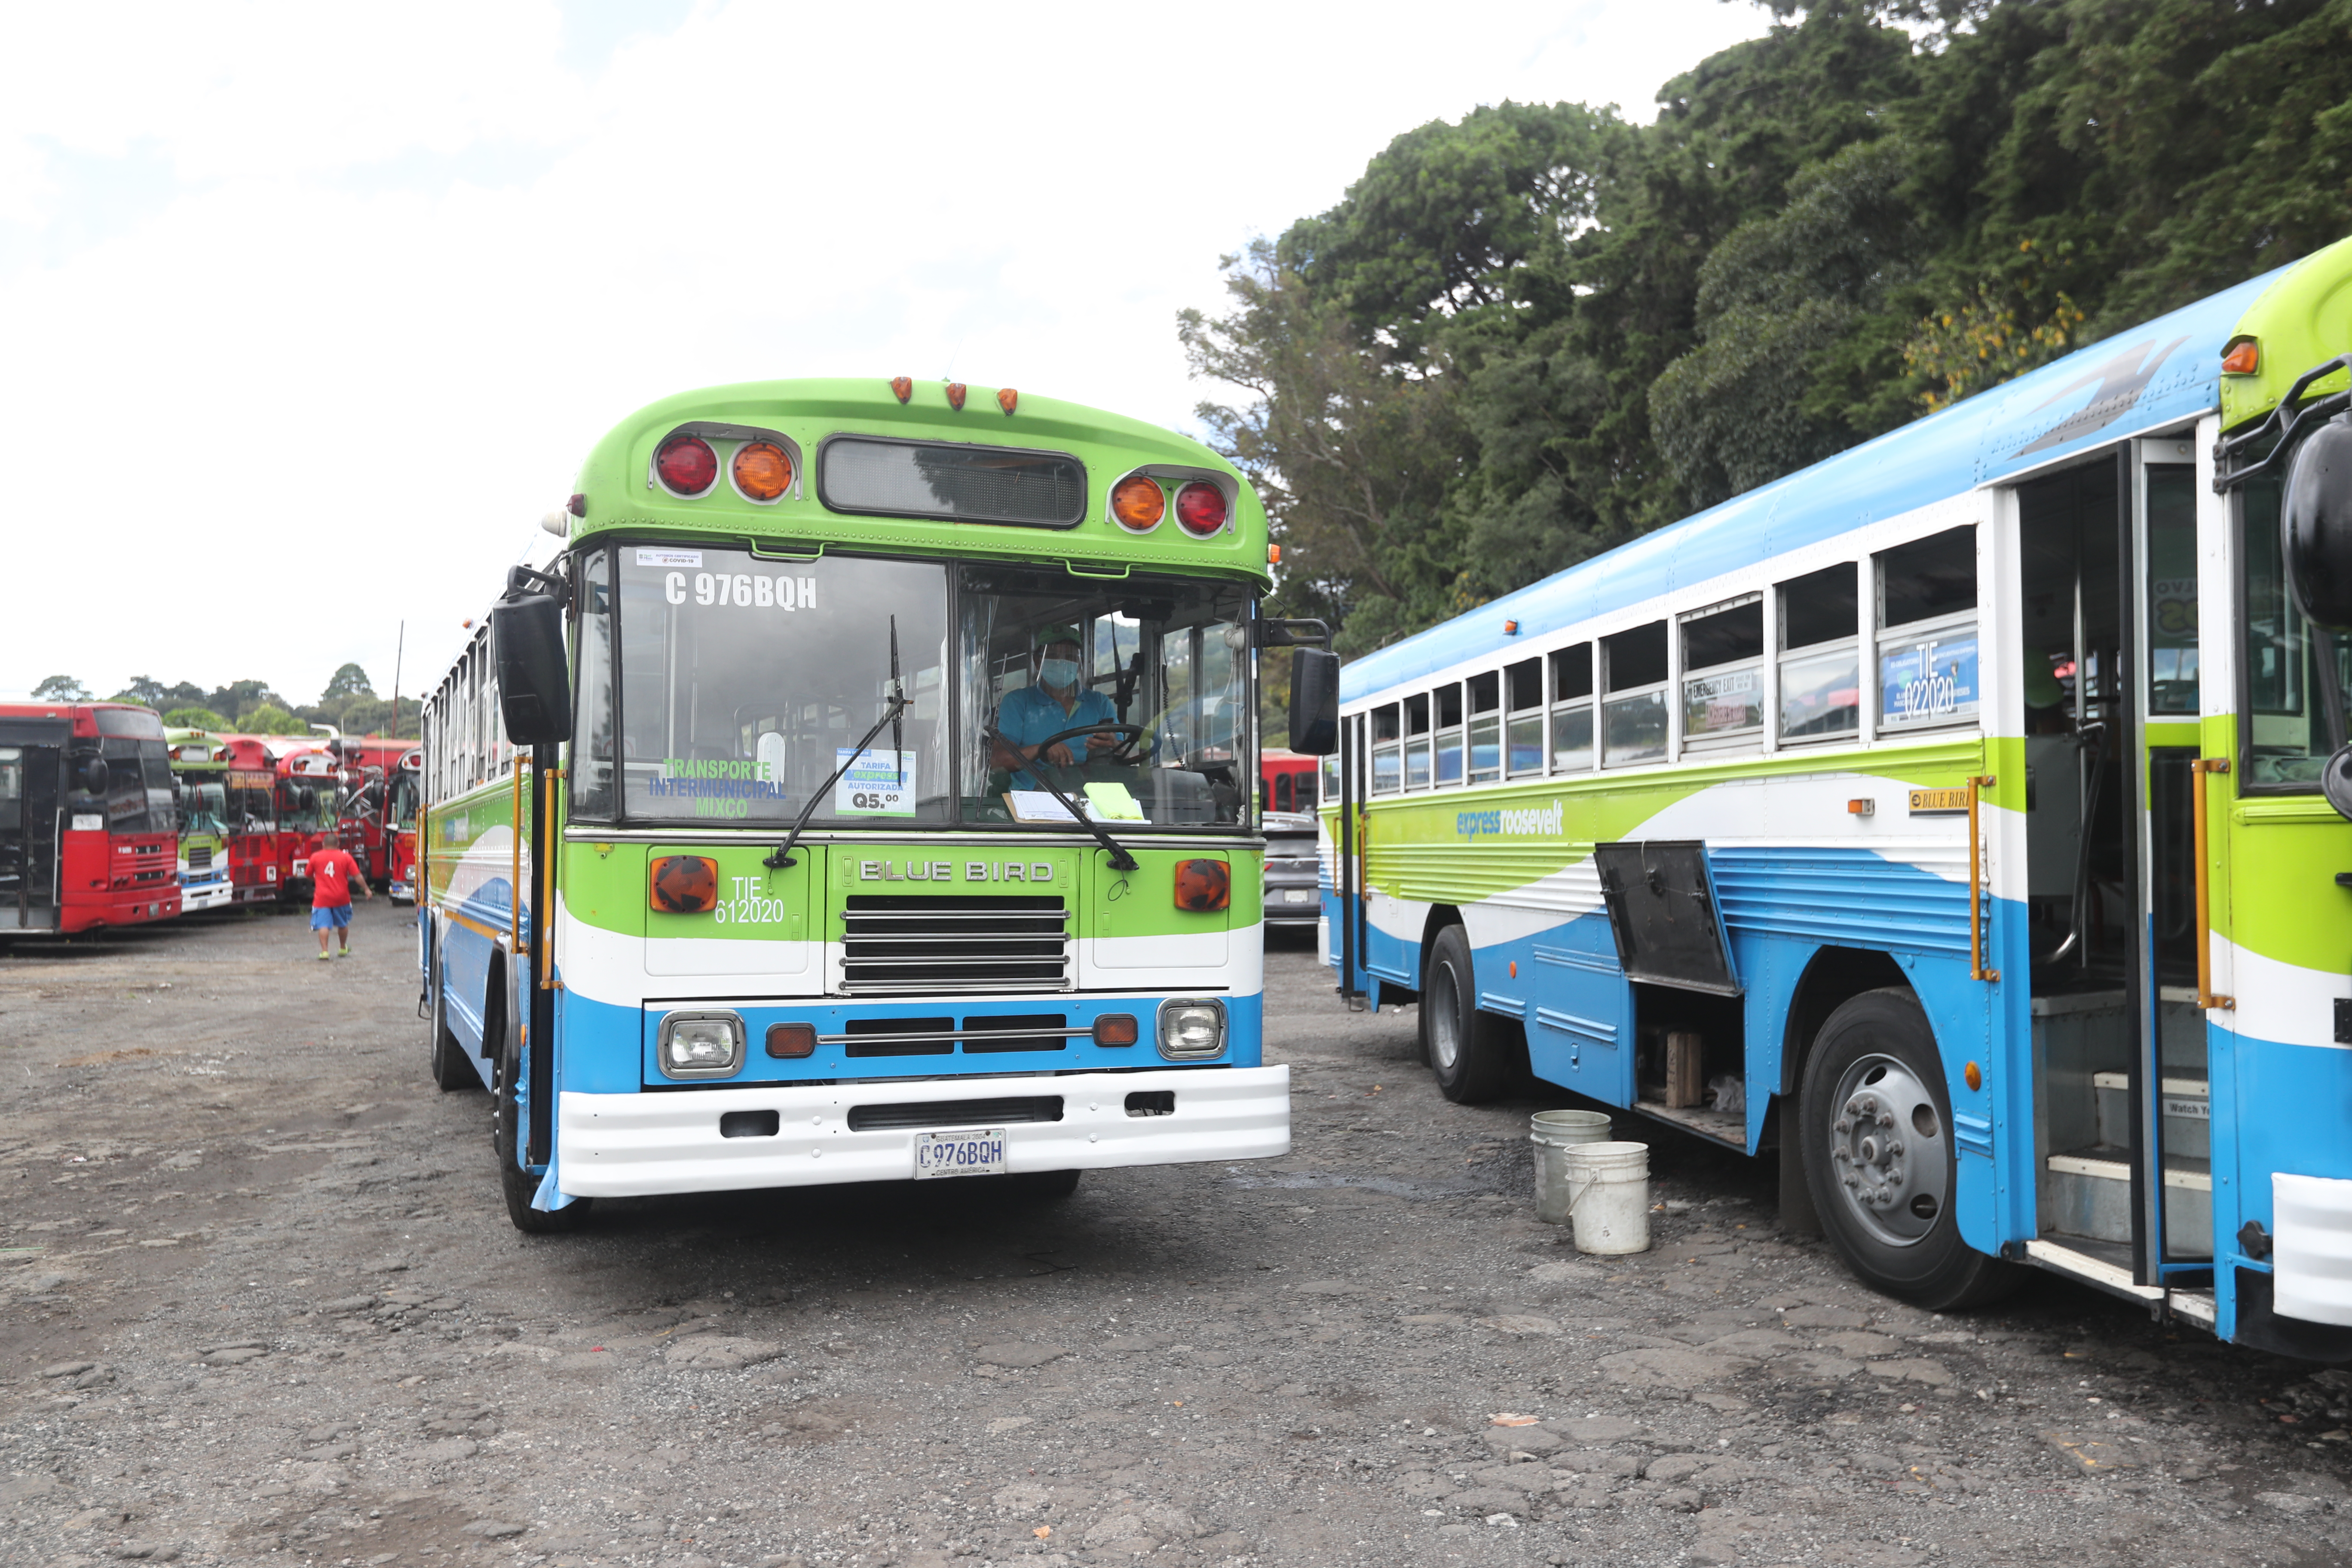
{"x":333,"y":874}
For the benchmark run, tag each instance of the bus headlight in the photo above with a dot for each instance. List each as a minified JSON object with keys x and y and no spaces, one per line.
{"x":701,"y":1045}
{"x":1191,"y":1028}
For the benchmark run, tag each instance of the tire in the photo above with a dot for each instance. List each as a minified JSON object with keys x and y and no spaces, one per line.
{"x":1463,"y":1046}
{"x":1875,"y":1118}
{"x":451,"y":1070}
{"x":517,"y":1185}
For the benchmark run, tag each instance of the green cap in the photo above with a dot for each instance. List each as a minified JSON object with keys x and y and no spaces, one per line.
{"x":1048,"y":635}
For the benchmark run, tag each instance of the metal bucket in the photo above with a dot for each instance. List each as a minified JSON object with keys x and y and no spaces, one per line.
{"x":1553,"y":1132}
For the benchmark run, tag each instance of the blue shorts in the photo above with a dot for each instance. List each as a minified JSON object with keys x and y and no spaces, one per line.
{"x":331,"y":916}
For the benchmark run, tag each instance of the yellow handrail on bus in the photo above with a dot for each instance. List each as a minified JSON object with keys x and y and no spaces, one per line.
{"x":1977,"y":970}
{"x":2200,"y":770}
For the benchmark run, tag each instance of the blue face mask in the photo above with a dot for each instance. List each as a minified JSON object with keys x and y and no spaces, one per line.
{"x":1058,"y":673}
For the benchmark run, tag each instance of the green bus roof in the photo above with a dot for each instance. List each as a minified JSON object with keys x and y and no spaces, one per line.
{"x":618,"y":489}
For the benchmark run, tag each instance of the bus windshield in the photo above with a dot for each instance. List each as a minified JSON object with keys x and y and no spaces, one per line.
{"x":745,"y":683}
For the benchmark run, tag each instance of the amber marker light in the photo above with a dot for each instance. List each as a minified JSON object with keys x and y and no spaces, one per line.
{"x":1117,"y":1029}
{"x":1203,"y":886}
{"x":1008,"y":400}
{"x":902,"y":387}
{"x":792,"y":1041}
{"x":683,"y":885}
{"x":1201,"y":509}
{"x":1273,"y":555}
{"x":2243,"y":359}
{"x":1139,"y":503}
{"x":763,"y":470}
{"x":955,"y":396}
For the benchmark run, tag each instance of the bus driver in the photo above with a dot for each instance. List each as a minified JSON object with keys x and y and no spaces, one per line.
{"x":1056,"y":699}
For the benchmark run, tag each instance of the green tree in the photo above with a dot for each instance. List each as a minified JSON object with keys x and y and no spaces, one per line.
{"x":195,"y":718}
{"x":348,"y":682}
{"x":270,"y":719}
{"x":61,"y":688}
{"x":243,"y":696}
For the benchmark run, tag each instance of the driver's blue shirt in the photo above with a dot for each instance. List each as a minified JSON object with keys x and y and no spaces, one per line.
{"x":1029,"y":713}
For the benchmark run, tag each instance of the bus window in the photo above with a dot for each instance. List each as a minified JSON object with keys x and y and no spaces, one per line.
{"x":1523,"y":694}
{"x":1927,"y":630}
{"x":1386,"y":774}
{"x":1723,"y":683}
{"x":1821,"y":669}
{"x":2171,"y":588}
{"x":1448,"y":702}
{"x":2288,"y":741}
{"x":1571,"y":712}
{"x":1633,"y":710}
{"x":591,"y":752}
{"x":1416,"y":741}
{"x":1486,"y":727}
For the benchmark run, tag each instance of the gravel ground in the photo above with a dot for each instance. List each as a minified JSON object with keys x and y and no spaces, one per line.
{"x":260,"y":1303}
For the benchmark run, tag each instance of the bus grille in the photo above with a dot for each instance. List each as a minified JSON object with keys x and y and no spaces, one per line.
{"x":200,"y":857}
{"x":907,"y":944}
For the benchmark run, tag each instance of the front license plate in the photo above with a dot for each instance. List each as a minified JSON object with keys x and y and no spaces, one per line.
{"x":973,"y":1151}
{"x":1298,"y":895}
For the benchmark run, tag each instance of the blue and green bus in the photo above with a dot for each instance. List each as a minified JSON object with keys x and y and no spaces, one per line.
{"x":1952,"y":817}
{"x":866,"y":790}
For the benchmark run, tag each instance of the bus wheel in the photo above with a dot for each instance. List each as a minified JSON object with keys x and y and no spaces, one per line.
{"x":1459,"y":1042}
{"x":517,"y":1183}
{"x":451,"y":1070}
{"x":1879,"y":1157}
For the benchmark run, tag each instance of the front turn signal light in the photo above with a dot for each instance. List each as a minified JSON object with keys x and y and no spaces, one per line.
{"x":1139,"y":503}
{"x":763,"y":470}
{"x":792,"y":1041}
{"x":1203,"y":886}
{"x":1116,"y":1029}
{"x":683,"y":885}
{"x":2244,"y":359}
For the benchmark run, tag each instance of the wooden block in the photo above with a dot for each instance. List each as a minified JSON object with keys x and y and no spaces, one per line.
{"x":1684,"y":1088}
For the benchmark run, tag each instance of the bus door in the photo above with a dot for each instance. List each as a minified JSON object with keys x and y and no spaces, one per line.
{"x":30,"y":756}
{"x":2109,"y":576}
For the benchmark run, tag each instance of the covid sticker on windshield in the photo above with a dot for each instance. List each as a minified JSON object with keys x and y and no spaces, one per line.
{"x":879,"y":783}
{"x":670,"y":558}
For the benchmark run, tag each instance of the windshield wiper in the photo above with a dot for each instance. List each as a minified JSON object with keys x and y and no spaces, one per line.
{"x":1120,"y":861}
{"x":891,"y":711}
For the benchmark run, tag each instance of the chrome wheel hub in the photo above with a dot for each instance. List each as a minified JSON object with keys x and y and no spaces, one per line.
{"x":1444,"y":1005}
{"x":1887,"y":1151}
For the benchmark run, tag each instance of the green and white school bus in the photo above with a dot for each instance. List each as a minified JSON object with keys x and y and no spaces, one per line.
{"x":1952,"y":816}
{"x":865,"y":791}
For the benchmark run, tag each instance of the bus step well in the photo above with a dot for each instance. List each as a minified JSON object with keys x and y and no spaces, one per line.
{"x":2086,"y":1189}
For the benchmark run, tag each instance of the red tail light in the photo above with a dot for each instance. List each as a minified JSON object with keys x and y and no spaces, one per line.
{"x":1201,"y":509}
{"x":687,"y":465}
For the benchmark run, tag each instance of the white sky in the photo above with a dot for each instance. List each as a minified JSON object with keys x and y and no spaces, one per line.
{"x":308,"y":313}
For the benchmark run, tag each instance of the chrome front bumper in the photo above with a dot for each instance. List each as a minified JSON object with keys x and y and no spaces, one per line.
{"x":625,"y":1145}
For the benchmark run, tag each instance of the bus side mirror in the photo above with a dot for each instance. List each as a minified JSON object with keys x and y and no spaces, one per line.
{"x":534,"y":692}
{"x":2318,"y":524}
{"x":94,"y":776}
{"x":1314,"y":701}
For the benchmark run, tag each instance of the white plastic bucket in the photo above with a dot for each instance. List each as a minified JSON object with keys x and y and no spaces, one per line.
{"x":1552,"y":1132}
{"x":1609,"y":1196}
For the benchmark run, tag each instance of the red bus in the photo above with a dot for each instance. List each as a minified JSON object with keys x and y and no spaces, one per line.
{"x":407,"y":792}
{"x":1286,"y":780}
{"x":255,"y":871}
{"x":88,"y":835}
{"x":371,"y":767}
{"x":310,"y":788}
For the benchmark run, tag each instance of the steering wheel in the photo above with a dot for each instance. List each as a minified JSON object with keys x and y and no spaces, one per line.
{"x":1124,"y":754}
